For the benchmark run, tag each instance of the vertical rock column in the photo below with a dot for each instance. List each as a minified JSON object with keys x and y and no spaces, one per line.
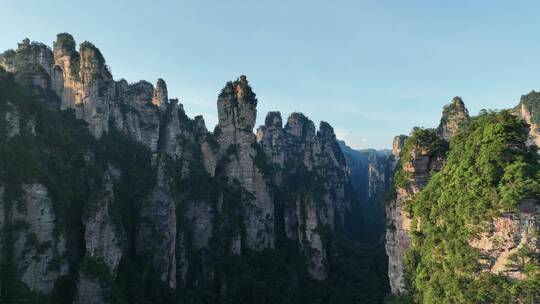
{"x":424,"y":159}
{"x":237,"y":113}
{"x":302,"y":155}
{"x":88,"y":84}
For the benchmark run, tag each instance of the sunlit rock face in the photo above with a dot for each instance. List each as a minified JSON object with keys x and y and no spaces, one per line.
{"x":423,"y":160}
{"x":88,"y":85}
{"x":454,"y":114}
{"x":255,"y":176}
{"x":529,"y":110}
{"x":506,"y":236}
{"x":422,"y":165}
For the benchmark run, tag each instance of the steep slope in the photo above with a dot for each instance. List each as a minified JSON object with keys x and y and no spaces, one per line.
{"x":442,"y":230}
{"x":308,"y":202}
{"x":416,"y":159}
{"x":422,"y":154}
{"x":371,"y":171}
{"x":474,"y":225}
{"x":453,"y":116}
{"x":139,"y":203}
{"x":529,"y":110}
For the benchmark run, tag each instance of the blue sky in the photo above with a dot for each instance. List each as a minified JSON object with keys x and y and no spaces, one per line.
{"x":372,"y":69}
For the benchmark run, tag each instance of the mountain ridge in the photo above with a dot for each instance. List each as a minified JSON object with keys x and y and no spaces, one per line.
{"x":165,"y":201}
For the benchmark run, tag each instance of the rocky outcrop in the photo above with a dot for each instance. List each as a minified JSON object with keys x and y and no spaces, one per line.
{"x":38,"y":250}
{"x":88,"y":86}
{"x":160,"y":96}
{"x":105,"y":241}
{"x":416,"y":159}
{"x":228,"y":191}
{"x":104,"y":236}
{"x":157,"y":229}
{"x":32,"y":64}
{"x":13,"y":126}
{"x":80,"y":80}
{"x":368,"y":171}
{"x":454,"y":114}
{"x":528,"y":109}
{"x":421,"y":163}
{"x":134,"y":114}
{"x":397,"y":145}
{"x":299,"y":154}
{"x":237,"y":112}
{"x":510,"y":240}
{"x":272,"y":138}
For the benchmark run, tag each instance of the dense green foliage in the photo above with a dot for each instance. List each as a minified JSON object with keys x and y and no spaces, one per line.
{"x":279,"y":276}
{"x":489,"y":170}
{"x":423,"y":139}
{"x":55,"y":157}
{"x":62,"y":155}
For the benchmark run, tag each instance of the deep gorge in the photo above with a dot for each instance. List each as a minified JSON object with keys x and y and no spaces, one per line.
{"x":110,"y":193}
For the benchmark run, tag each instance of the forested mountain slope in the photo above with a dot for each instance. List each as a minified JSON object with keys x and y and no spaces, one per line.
{"x":110,"y":193}
{"x":464,"y":218}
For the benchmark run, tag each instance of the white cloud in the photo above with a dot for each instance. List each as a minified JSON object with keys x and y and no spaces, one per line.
{"x":341,"y":134}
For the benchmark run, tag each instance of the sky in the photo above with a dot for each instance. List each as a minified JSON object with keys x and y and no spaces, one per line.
{"x":372,"y":69}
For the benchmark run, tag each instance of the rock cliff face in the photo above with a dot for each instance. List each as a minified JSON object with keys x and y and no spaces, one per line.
{"x":453,"y":115}
{"x":87,"y":82}
{"x":80,"y":80}
{"x":416,"y":159}
{"x":529,"y":110}
{"x":509,"y":236}
{"x":182,"y":195}
{"x":423,"y":154}
{"x":371,"y":172}
{"x":36,"y":221}
{"x":237,"y":110}
{"x":421,"y":163}
{"x":312,"y":172}
{"x":157,"y":229}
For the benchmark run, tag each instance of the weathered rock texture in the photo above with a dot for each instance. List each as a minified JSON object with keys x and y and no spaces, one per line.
{"x":506,"y":236}
{"x":313,"y":172}
{"x":422,"y":164}
{"x":222,"y":192}
{"x":368,"y":170}
{"x":421,"y":160}
{"x":35,"y":217}
{"x":104,"y":238}
{"x":237,"y":152}
{"x":371,"y":172}
{"x":157,"y":229}
{"x":529,"y":110}
{"x":454,"y":114}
